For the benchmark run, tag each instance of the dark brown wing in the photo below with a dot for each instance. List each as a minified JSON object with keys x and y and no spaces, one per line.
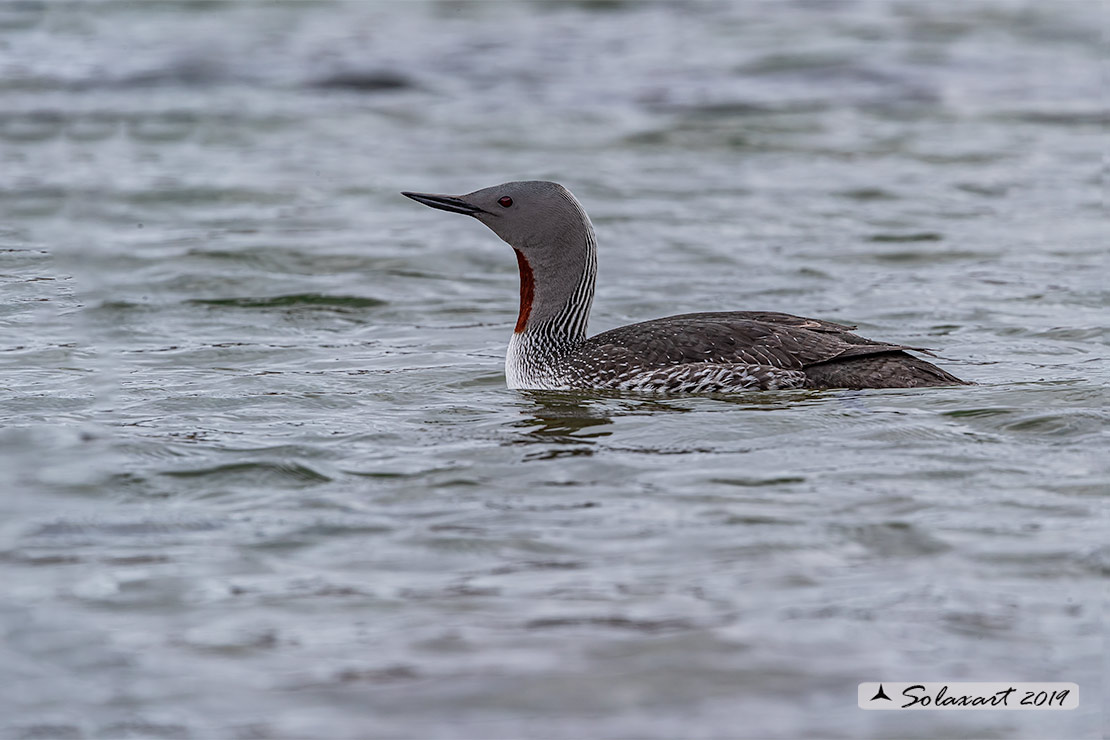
{"x":753,"y":337}
{"x":829,"y":354}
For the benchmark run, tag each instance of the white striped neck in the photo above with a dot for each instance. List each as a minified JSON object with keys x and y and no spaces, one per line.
{"x":553,"y":316}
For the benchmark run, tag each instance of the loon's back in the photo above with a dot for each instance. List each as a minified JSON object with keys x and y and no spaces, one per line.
{"x":789,"y":351}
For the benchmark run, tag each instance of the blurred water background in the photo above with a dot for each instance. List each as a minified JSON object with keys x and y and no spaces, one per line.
{"x":259,"y":473}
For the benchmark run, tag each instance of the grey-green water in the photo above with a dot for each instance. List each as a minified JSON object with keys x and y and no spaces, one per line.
{"x":260,"y":473}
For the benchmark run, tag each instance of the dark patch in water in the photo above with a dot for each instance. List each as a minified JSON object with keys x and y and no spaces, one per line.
{"x":537,"y":565}
{"x":377,"y":675}
{"x":637,"y":625}
{"x":363,"y":81}
{"x":312,"y":300}
{"x":973,"y":413}
{"x":924,"y":236}
{"x":1065,"y":118}
{"x":746,"y":482}
{"x":866,"y":194}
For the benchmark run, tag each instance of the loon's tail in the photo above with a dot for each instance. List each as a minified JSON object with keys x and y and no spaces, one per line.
{"x":886,"y":370}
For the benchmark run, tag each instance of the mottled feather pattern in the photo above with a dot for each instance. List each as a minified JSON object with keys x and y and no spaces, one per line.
{"x":722,"y":352}
{"x":708,"y":377}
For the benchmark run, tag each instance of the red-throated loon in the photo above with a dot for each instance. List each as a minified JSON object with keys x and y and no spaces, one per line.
{"x":691,"y":353}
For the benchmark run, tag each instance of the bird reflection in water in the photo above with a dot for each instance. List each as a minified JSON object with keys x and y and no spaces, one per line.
{"x":569,"y":424}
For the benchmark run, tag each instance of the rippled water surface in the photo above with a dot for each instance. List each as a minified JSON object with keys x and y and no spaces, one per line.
{"x":260,"y":473}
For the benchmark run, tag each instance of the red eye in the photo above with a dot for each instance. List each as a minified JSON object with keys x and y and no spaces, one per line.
{"x":505,"y":201}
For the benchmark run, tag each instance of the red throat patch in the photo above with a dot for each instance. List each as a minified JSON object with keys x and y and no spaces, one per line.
{"x":527,"y":291}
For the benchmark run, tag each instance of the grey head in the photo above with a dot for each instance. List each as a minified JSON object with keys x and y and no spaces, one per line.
{"x":551,"y":234}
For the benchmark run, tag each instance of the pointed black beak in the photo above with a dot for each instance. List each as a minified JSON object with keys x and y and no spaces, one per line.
{"x":448,"y":203}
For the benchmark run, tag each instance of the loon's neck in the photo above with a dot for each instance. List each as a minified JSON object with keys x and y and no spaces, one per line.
{"x":554,"y":312}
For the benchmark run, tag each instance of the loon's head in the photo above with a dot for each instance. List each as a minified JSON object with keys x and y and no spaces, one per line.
{"x":528,"y":215}
{"x":550,"y":232}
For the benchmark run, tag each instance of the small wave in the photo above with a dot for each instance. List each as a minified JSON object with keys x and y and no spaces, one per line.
{"x":297,"y":300}
{"x":924,"y":236}
{"x":287,"y":472}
